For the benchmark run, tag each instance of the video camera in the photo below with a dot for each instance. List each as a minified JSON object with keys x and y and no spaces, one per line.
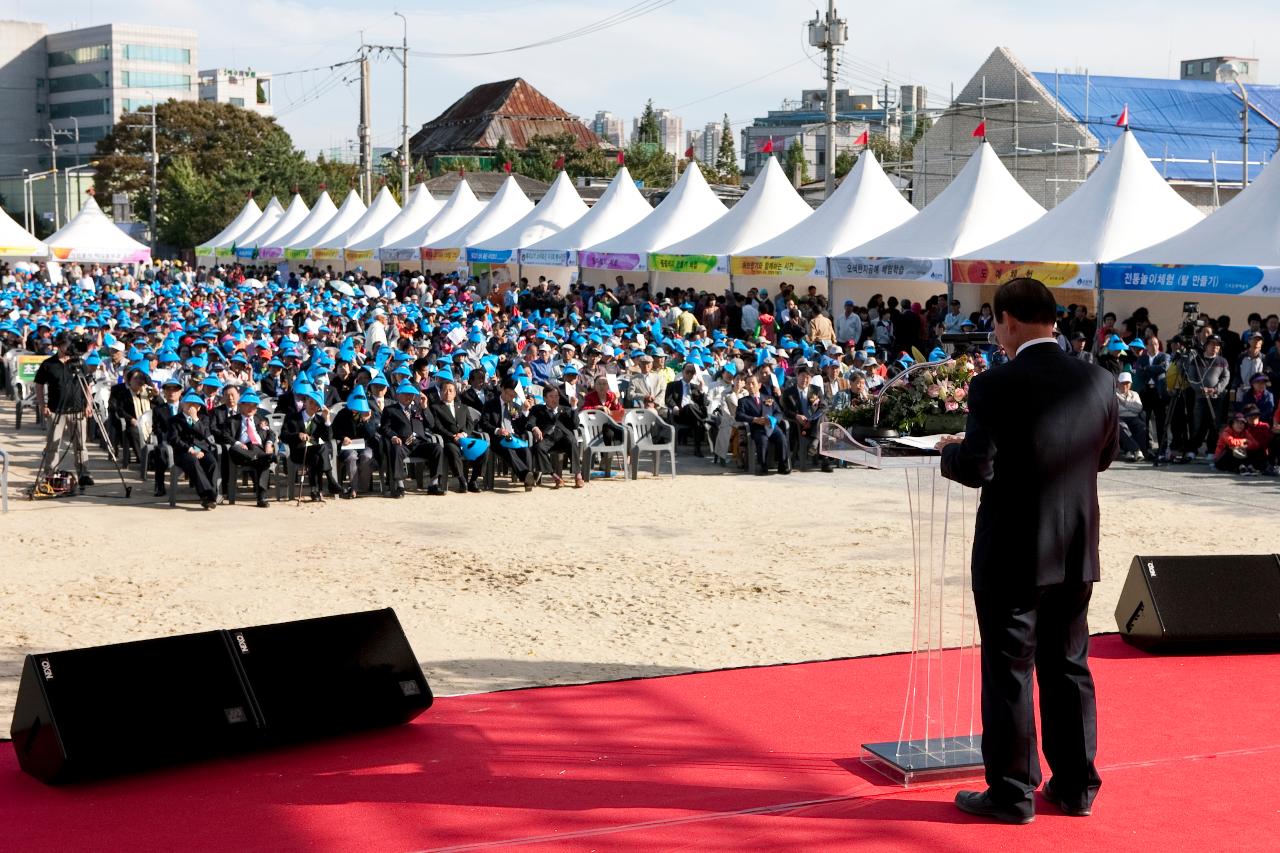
{"x":78,"y":344}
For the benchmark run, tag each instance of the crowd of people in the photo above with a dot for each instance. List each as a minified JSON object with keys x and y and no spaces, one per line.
{"x":425,"y":377}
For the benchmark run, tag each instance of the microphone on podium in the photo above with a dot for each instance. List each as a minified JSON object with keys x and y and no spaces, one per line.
{"x":970,"y":338}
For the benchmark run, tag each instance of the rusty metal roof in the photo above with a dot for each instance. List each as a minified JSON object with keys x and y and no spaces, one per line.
{"x":509,"y":109}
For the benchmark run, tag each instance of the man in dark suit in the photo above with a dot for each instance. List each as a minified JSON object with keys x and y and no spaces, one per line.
{"x":246,"y":434}
{"x":194,"y":449}
{"x":554,"y":425}
{"x":478,"y":391}
{"x":307,"y":434}
{"x":502,"y":419}
{"x":407,"y":429}
{"x":453,"y":422}
{"x":687,"y":406}
{"x":800,"y":413}
{"x":163,"y":414}
{"x":764,"y":418}
{"x":1040,"y":428}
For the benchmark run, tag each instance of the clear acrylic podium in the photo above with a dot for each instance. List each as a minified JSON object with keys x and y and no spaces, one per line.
{"x":937,"y":738}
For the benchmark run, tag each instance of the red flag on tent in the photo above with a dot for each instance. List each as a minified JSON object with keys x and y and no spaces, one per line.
{"x":688,"y":153}
{"x":1123,"y":121}
{"x":559,"y":162}
{"x":622,"y":158}
{"x":767,"y":147}
{"x":462,"y":171}
{"x":506,"y":167}
{"x":981,"y":130}
{"x":862,"y":139}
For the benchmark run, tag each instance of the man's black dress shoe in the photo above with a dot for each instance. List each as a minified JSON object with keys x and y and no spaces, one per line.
{"x":1063,"y":806}
{"x":980,"y":804}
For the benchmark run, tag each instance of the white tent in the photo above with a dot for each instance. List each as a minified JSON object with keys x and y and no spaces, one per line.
{"x":269,"y":244}
{"x":687,"y":209}
{"x":620,"y":207}
{"x":507,"y":207}
{"x":348,"y":214}
{"x":1228,"y":262}
{"x":865,"y":205}
{"x":17,"y":242}
{"x":458,"y":210}
{"x":226,"y":238}
{"x":91,"y":236}
{"x":1123,"y":206}
{"x":382,"y":210}
{"x":770,"y":207}
{"x":247,"y":243}
{"x":422,"y":205}
{"x":281,"y":238}
{"x":558,"y":209}
{"x":981,"y":204}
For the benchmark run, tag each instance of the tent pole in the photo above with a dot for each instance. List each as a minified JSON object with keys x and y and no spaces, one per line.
{"x":1098,"y":297}
{"x":951,"y":285}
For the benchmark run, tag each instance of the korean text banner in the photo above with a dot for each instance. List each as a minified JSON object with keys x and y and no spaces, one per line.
{"x":1053,"y":274}
{"x":777,"y":265}
{"x":1192,"y":278}
{"x":688,"y":263}
{"x":447,"y":256}
{"x":548,"y":257}
{"x":902,"y":269}
{"x":489,"y":256}
{"x":620,"y":261}
{"x":329,"y":254}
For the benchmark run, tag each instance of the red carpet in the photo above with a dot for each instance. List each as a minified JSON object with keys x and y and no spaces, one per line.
{"x":749,"y":759}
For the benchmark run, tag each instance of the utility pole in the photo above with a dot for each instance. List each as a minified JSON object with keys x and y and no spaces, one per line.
{"x":154,"y":158}
{"x":1244,"y":155}
{"x":52,"y":141}
{"x":366,"y":149}
{"x":827,"y":34}
{"x":404,"y":115}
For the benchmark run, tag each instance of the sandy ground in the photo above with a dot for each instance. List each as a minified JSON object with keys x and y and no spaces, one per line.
{"x":508,"y":589}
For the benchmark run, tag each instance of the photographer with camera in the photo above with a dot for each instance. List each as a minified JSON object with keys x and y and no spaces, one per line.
{"x":66,"y":406}
{"x":1208,"y":375}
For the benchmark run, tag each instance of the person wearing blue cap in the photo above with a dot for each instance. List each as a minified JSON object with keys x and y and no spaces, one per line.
{"x":245,"y":431}
{"x":355,"y":428}
{"x":407,"y":428}
{"x":195,"y":450}
{"x":273,"y":381}
{"x":454,"y":421}
{"x":307,"y":434}
{"x":504,"y":419}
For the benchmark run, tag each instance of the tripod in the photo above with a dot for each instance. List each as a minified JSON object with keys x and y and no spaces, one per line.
{"x":52,"y":456}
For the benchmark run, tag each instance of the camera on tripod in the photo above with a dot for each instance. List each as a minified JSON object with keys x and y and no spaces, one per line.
{"x":78,"y":345}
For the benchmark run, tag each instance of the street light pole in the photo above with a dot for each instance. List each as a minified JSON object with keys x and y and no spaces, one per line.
{"x":26,"y":202}
{"x":154,"y":158}
{"x":404,"y":116}
{"x":53,"y":155}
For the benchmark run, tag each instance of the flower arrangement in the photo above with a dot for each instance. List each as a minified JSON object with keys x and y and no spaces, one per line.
{"x":933,"y":399}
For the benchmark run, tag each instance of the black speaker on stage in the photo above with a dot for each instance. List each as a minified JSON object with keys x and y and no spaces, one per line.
{"x":96,"y":712}
{"x":1201,"y":603}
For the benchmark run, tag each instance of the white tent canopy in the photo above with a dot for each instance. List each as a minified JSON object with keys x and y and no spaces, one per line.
{"x":620,"y":207}
{"x":1123,"y":206}
{"x":558,"y":209}
{"x":348,"y":214}
{"x":91,"y":236}
{"x":294,"y":215}
{"x":381,"y":211}
{"x":458,"y":210}
{"x":690,"y":207}
{"x":281,"y":239}
{"x":416,"y":213}
{"x":247,"y":242}
{"x":865,"y":205}
{"x":17,"y":242}
{"x":508,"y":206}
{"x":244,"y":220}
{"x":770,"y":207}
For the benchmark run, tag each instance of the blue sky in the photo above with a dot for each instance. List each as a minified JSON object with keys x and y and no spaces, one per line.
{"x":684,"y":55}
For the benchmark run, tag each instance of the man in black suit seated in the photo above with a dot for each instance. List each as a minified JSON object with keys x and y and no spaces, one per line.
{"x":763,"y":418}
{"x":453,"y":423}
{"x":127,"y":403}
{"x":1040,"y":428}
{"x":357,"y":422}
{"x":554,"y":425}
{"x":503,"y":420}
{"x":307,"y":434}
{"x":478,"y":391}
{"x":687,"y":405}
{"x":162,"y":415}
{"x":406,"y":427}
{"x":800,"y":412}
{"x":247,"y":435}
{"x":195,"y":450}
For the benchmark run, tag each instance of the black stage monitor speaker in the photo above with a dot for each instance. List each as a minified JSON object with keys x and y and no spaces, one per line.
{"x":99,"y":711}
{"x":1201,"y":603}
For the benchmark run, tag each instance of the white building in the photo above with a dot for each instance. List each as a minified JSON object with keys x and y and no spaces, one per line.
{"x":709,"y":148}
{"x":609,"y":127}
{"x":239,"y":87}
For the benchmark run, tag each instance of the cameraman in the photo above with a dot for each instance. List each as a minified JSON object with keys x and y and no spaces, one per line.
{"x":1209,"y":374}
{"x":61,"y":375}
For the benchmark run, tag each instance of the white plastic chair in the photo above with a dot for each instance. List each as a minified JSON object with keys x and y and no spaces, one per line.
{"x":591,"y":439}
{"x":640,"y":425}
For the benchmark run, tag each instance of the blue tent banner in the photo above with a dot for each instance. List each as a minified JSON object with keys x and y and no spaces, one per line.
{"x":489,"y":256}
{"x":1192,"y":279}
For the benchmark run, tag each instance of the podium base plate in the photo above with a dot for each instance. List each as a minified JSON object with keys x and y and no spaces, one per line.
{"x":925,"y":760}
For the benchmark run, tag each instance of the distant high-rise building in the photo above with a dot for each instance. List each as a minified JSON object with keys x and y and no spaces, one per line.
{"x":610,"y":128}
{"x":710,"y":148}
{"x":240,"y":88}
{"x":672,"y":127}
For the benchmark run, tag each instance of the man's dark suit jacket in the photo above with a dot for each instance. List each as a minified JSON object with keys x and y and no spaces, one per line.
{"x":447,"y":425}
{"x":406,"y":426}
{"x":795,"y":400}
{"x":1040,"y":428}
{"x":748,"y":409}
{"x":674,"y":393}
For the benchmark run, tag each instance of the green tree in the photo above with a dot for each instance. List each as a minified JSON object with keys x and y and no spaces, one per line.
{"x":649,"y":130}
{"x":506,"y":153}
{"x":538,"y":160}
{"x":185,"y":212}
{"x":727,"y":171}
{"x":649,"y":162}
{"x":796,"y":165}
{"x":844,"y":163}
{"x":923,"y":123}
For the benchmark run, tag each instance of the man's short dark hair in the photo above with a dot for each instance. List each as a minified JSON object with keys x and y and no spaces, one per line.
{"x":508,"y":384}
{"x":1027,"y":300}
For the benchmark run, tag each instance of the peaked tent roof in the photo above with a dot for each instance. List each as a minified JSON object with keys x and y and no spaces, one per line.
{"x":687,"y":209}
{"x":321,"y":212}
{"x":270,"y":216}
{"x":91,"y":236}
{"x":294,"y":215}
{"x":348,"y":214}
{"x":416,"y":213}
{"x":559,"y":208}
{"x":244,"y":220}
{"x":1123,"y":206}
{"x":507,"y":109}
{"x":382,"y":210}
{"x":770,"y":207}
{"x":865,"y":205}
{"x":619,"y":208}
{"x":457,"y":211}
{"x":981,"y":204}
{"x":504,"y":209}
{"x":1243,"y":232}
{"x":18,"y":242}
